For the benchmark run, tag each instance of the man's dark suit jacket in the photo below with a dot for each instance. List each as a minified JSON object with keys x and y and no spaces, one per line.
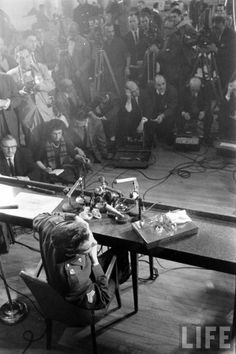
{"x":8,"y":119}
{"x":127,"y":122}
{"x":186,"y":101}
{"x":226,"y":55}
{"x":23,"y":163}
{"x":166,"y":104}
{"x":132,"y":48}
{"x":46,"y":54}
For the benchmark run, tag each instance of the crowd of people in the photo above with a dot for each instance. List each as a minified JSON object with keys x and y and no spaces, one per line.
{"x":155,"y":74}
{"x":115,"y":75}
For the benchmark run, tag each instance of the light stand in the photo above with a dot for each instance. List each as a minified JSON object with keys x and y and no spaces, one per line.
{"x":12,"y":311}
{"x":70,"y":205}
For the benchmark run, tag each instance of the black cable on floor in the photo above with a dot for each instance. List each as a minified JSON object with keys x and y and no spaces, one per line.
{"x":31,"y":338}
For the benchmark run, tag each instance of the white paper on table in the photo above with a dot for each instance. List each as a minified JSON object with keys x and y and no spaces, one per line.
{"x":178,"y":216}
{"x":57,"y":171}
{"x":31,"y":204}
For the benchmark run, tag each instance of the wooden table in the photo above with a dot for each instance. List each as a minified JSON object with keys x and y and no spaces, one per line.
{"x":213,"y":247}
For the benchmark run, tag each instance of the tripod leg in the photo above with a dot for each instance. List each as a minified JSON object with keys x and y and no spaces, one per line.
{"x":111,"y":73}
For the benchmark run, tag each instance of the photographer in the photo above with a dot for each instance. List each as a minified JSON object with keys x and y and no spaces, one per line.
{"x":224,"y":47}
{"x":34,"y":85}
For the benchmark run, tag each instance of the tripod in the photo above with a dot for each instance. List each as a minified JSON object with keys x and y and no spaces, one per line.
{"x":206,"y":63}
{"x":101,"y":60}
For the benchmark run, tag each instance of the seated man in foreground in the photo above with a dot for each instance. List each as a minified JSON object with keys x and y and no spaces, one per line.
{"x":17,"y":161}
{"x":69,"y":251}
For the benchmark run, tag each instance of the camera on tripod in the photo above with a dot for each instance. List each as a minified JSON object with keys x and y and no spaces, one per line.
{"x":204,"y":41}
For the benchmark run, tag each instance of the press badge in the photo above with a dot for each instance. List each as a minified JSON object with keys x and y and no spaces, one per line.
{"x":90,"y":296}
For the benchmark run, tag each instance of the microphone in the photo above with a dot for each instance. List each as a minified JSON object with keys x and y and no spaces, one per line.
{"x":105,"y":186}
{"x":124,"y":180}
{"x":113,"y":210}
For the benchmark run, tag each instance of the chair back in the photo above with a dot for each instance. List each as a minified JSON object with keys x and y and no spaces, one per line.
{"x":52,"y":304}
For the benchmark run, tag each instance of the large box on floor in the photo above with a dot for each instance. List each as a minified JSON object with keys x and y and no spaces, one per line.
{"x":187,"y":142}
{"x":132,"y":157}
{"x":226,"y":148}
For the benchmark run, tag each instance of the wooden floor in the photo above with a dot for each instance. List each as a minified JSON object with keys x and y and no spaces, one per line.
{"x":180,"y":295}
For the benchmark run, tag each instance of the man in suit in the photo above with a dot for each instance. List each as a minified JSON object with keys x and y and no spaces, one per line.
{"x":119,"y":59}
{"x":16,"y":161}
{"x":224,"y":46}
{"x":45,"y":52}
{"x":79,"y":62}
{"x":131,"y":116}
{"x":9,"y":100}
{"x":156,"y":17}
{"x":195,"y":109}
{"x":132,"y":43}
{"x":35,"y":85}
{"x":162,"y":111}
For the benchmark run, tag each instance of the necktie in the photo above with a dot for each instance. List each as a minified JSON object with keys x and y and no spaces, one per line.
{"x":12,"y":168}
{"x":136,"y":37}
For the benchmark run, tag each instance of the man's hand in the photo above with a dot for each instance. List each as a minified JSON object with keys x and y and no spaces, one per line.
{"x":201,"y":115}
{"x":159,"y":118}
{"x":141,"y":125}
{"x":48,"y":170}
{"x":186,"y":115}
{"x":79,"y":152}
{"x":212,"y":47}
{"x":5,"y":103}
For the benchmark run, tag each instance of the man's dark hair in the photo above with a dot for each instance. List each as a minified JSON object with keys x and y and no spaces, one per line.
{"x":7,"y":137}
{"x":218,"y":19}
{"x":69,"y":235}
{"x":55,"y":124}
{"x":155,"y":5}
{"x":176,"y":11}
{"x":20,"y":48}
{"x":173,"y":4}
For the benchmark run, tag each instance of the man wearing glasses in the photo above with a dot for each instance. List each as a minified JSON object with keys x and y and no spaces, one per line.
{"x":16,"y":161}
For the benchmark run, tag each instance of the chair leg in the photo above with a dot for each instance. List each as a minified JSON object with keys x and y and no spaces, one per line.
{"x":118,"y":298}
{"x":93,"y":334}
{"x":151,"y":267}
{"x":48,"y":333}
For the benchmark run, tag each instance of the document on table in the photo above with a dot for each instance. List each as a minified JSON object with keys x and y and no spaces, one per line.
{"x":57,"y":171}
{"x":30,"y":205}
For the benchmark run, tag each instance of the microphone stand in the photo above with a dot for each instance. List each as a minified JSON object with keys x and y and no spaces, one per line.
{"x":69,"y":206}
{"x":12,"y":311}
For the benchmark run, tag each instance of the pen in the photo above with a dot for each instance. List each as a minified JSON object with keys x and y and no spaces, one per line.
{"x":40,"y":190}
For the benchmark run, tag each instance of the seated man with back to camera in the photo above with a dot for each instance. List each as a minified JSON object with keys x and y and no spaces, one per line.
{"x":131,"y":116}
{"x":162,"y":109}
{"x":73,"y":267}
{"x":57,"y":152}
{"x":17,"y":161}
